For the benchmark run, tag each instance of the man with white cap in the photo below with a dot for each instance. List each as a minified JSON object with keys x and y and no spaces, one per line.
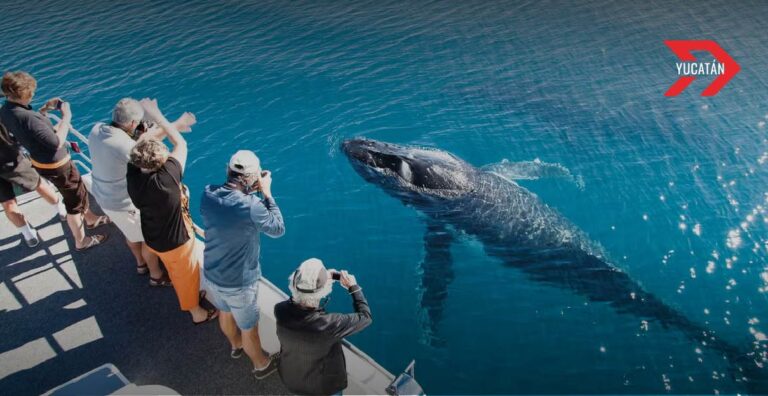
{"x":234,"y":217}
{"x":311,"y":355}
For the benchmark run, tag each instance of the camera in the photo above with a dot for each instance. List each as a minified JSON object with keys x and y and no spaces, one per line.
{"x":336,"y":275}
{"x":143,"y":127}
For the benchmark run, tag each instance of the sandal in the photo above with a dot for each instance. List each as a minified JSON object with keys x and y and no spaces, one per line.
{"x":93,"y":241}
{"x":211,"y":315}
{"x":102,"y":220}
{"x":163,"y":281}
{"x":142,"y":269}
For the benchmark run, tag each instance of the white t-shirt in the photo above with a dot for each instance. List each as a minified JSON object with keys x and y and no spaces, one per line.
{"x":110,"y":150}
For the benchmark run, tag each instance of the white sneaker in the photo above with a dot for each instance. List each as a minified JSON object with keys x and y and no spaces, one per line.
{"x":32,"y":242}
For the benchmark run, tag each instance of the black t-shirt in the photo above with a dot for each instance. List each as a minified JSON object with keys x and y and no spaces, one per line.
{"x":158,"y":196}
{"x":34,"y":131}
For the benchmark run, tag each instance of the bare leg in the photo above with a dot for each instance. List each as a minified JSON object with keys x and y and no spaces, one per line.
{"x":75,"y":222}
{"x":135,"y":248}
{"x":252,"y":348}
{"x":152,"y":261}
{"x":90,"y":217}
{"x":13,"y":213}
{"x":45,"y":190}
{"x":17,"y":218}
{"x":229,"y":328}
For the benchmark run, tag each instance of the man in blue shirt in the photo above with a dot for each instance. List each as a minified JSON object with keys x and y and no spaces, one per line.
{"x":233,"y":218}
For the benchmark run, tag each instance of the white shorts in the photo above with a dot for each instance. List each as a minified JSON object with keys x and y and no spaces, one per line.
{"x":129,"y":223}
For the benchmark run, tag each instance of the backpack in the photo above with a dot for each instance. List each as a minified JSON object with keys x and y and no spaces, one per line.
{"x":9,"y":149}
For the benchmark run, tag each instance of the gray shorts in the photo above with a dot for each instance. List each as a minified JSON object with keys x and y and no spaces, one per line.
{"x":19,"y":173}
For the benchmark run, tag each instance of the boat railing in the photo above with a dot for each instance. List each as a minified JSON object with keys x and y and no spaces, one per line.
{"x":81,"y":159}
{"x":84,"y":161}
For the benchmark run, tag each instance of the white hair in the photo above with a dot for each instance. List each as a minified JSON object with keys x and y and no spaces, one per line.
{"x":311,"y":300}
{"x":127,"y":110}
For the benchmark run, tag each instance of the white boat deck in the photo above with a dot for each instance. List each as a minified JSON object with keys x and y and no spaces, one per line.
{"x":64,"y":313}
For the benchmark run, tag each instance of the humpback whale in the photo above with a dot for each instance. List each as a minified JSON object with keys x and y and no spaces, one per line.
{"x":521,"y":231}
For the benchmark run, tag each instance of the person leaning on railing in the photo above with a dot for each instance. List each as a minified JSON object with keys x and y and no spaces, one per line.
{"x":154,"y":185}
{"x":234,"y":217}
{"x":311,"y":354}
{"x":16,"y":169}
{"x":47,"y":147}
{"x":110,"y":146}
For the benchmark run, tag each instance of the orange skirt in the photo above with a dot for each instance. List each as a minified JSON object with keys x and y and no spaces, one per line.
{"x":184,"y":271}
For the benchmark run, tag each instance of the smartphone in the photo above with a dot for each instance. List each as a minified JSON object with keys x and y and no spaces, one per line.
{"x":58,"y":104}
{"x":335,"y":275}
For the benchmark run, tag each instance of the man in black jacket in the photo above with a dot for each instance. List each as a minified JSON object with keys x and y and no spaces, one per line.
{"x":311,"y":356}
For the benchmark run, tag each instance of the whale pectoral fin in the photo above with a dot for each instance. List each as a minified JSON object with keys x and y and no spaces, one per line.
{"x":436,"y":275}
{"x":533,"y":170}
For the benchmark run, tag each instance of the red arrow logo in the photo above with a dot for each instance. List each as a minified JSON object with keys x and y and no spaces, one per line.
{"x":683,"y":49}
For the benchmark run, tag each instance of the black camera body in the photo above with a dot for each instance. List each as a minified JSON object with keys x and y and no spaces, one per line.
{"x":143,"y":127}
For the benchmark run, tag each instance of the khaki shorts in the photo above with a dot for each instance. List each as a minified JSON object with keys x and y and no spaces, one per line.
{"x":128,"y":222}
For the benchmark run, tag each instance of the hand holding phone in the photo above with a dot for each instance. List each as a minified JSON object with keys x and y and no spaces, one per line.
{"x":346,"y":279}
{"x":265,"y":183}
{"x":52,"y":104}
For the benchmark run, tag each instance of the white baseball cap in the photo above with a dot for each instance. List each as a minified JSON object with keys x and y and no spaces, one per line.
{"x":245,"y":162}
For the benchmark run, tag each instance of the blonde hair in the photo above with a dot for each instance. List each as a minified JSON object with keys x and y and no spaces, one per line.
{"x":149,"y":154}
{"x":18,"y":85}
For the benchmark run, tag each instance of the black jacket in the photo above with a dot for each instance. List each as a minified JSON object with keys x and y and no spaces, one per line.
{"x":311,"y":357}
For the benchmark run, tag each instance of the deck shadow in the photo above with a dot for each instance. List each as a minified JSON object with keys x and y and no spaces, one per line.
{"x":69,"y":312}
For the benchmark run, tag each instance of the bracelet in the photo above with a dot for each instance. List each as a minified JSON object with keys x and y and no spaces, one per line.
{"x":358,"y":288}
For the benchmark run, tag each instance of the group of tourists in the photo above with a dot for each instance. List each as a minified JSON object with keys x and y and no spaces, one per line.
{"x":137,"y":182}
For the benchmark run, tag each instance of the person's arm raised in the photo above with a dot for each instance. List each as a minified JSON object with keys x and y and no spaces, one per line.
{"x":179,"y":151}
{"x":183,"y":124}
{"x":345,"y":325}
{"x":61,"y":129}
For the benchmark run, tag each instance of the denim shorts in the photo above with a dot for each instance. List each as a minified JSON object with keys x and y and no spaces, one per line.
{"x":240,"y":301}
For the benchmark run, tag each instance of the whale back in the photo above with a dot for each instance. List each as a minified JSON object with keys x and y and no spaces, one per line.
{"x":507,"y":216}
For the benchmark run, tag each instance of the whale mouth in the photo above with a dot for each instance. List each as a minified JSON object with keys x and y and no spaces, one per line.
{"x":408,"y":167}
{"x":374,"y":154}
{"x":378,"y":160}
{"x":369,"y":152}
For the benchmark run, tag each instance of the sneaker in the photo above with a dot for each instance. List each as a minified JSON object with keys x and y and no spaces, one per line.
{"x":271,"y":367}
{"x":236,"y":353}
{"x":32,"y":242}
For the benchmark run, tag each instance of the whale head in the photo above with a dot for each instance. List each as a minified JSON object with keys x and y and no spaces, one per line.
{"x":409,"y":172}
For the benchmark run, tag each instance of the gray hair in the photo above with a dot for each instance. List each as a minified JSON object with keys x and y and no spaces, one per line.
{"x":127,"y":110}
{"x":311,"y":300}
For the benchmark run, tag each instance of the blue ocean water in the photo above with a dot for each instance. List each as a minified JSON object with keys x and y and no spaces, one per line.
{"x":674,"y":189}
